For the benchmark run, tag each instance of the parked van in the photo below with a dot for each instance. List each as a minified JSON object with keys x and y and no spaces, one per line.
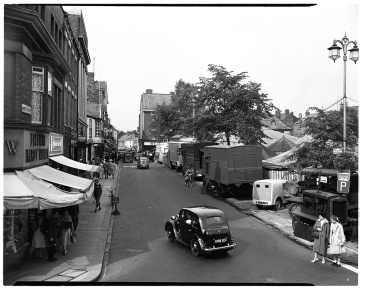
{"x":269,"y":192}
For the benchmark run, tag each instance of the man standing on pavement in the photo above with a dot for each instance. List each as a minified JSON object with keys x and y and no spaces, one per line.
{"x":51,"y":232}
{"x":98,"y":189}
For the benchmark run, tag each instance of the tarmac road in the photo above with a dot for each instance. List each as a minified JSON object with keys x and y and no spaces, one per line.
{"x":140,"y":252}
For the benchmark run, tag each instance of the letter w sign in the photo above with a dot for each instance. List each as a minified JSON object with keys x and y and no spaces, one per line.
{"x":12,"y":145}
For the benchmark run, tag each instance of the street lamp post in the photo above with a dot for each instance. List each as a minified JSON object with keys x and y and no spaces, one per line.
{"x":334,"y":54}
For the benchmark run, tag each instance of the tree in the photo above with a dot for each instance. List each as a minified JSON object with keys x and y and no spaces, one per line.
{"x":230,"y":107}
{"x":326,"y":130}
{"x":176,"y":117}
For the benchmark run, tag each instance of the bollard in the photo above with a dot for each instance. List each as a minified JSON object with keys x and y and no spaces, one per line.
{"x":115,"y":201}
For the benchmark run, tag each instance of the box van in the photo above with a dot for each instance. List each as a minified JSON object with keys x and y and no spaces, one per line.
{"x":269,"y":192}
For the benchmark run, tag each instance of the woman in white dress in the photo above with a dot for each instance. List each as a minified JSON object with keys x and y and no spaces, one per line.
{"x":39,"y":240}
{"x":337,"y":240}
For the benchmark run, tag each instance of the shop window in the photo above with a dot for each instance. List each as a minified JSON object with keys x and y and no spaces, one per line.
{"x":15,"y":230}
{"x":37,"y":94}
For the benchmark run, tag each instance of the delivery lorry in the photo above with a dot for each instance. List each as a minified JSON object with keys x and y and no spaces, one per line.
{"x":192,"y":154}
{"x":174,"y":157}
{"x":231,"y":169}
{"x":161,"y":150}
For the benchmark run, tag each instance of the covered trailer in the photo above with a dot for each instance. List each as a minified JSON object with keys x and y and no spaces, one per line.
{"x":161,"y":149}
{"x":229,"y":168}
{"x":192,"y":154}
{"x":174,"y":158}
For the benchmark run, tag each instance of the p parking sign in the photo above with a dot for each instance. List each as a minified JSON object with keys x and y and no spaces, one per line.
{"x":343,"y":181}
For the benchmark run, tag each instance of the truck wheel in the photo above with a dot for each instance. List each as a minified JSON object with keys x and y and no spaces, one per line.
{"x":296,"y":221}
{"x":278,"y":203}
{"x":220,"y":189}
{"x":294,"y":207}
{"x":259,"y":206}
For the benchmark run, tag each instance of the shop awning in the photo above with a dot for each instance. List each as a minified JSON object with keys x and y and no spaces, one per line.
{"x":73,"y":164}
{"x":50,"y":174}
{"x":25,"y":191}
{"x":17,"y":195}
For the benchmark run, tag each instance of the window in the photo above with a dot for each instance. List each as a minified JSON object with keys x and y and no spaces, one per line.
{"x":90,"y":128}
{"x":52,"y":26}
{"x":56,"y":34}
{"x":97,"y":129}
{"x":214,"y":221}
{"x":37,"y":94}
{"x":50,"y":120}
{"x":57,"y":100}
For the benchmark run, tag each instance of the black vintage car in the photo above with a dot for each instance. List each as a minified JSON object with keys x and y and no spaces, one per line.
{"x":204,"y":229}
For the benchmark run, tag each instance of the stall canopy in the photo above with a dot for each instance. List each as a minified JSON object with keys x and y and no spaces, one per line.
{"x":73,"y":164}
{"x":25,"y":191}
{"x":50,"y":174}
{"x":17,"y":195}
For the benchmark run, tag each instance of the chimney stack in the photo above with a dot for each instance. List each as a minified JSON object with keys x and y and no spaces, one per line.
{"x":149,"y":91}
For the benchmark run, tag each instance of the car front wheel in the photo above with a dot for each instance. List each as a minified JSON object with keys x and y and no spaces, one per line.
{"x":194,"y":246}
{"x":170,"y":234}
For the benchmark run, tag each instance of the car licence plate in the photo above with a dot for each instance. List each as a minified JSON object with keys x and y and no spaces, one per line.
{"x":220,"y":240}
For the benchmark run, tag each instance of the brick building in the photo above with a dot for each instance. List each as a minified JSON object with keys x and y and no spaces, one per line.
{"x":42,"y":57}
{"x":149,"y":101}
{"x":97,"y":116}
{"x":79,"y":30}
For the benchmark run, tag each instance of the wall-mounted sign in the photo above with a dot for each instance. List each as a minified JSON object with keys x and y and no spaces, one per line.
{"x":343,"y":181}
{"x":26,"y":109}
{"x":55,"y":144}
{"x":149,"y":143}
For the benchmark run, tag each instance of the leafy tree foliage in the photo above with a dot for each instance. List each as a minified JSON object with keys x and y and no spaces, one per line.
{"x":326,"y":129}
{"x":230,"y":107}
{"x":223,"y":106}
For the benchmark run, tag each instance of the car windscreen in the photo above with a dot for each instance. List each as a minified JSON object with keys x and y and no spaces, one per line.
{"x":214,"y":221}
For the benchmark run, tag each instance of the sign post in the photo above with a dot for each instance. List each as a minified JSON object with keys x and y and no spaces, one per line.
{"x":343,"y":181}
{"x":115,"y":201}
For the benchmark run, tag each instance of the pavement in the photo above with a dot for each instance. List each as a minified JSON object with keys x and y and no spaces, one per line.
{"x":85,"y":261}
{"x":281,"y":222}
{"x":88,"y":257}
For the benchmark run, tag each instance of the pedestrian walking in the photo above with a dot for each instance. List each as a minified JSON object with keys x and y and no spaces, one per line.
{"x":51,"y":231}
{"x":97,"y":161}
{"x":39,"y":239}
{"x":98,"y":189}
{"x":106,"y":168}
{"x":337,"y":240}
{"x":65,"y":222}
{"x":113,"y":168}
{"x":321,"y":234}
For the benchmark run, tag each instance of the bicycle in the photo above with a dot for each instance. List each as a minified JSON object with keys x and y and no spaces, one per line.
{"x":188,"y":180}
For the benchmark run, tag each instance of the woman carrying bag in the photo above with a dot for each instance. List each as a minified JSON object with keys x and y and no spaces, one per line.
{"x":337,"y":240}
{"x":321,"y":233}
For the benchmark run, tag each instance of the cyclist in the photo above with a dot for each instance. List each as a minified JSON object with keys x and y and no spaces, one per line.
{"x":189,"y":176}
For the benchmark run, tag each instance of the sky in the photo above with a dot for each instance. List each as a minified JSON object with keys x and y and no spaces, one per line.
{"x":282,"y":48}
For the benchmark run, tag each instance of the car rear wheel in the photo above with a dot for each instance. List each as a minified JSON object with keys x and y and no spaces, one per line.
{"x":170,"y":234}
{"x":194,"y":246}
{"x":278,"y":203}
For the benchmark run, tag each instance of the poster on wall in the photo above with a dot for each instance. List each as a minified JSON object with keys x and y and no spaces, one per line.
{"x":55,"y":144}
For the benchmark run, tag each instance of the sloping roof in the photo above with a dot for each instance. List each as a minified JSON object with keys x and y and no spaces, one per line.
{"x":266,"y":153}
{"x":275,"y":123}
{"x":150,"y":101}
{"x":276,"y":135}
{"x":282,"y":145}
{"x":126,"y":137}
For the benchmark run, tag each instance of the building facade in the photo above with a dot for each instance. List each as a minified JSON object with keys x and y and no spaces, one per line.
{"x":148,"y":104}
{"x":41,"y":57}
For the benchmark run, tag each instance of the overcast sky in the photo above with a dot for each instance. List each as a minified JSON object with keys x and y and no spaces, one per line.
{"x":282,"y":48}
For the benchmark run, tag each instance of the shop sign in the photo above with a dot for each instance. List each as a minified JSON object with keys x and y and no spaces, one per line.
{"x":149,"y":143}
{"x":36,"y":151}
{"x":12,"y":145}
{"x":55,"y":144}
{"x":26,"y":109}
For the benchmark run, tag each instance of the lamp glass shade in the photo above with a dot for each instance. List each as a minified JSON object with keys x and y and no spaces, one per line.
{"x":354,"y":54}
{"x":334,"y":52}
